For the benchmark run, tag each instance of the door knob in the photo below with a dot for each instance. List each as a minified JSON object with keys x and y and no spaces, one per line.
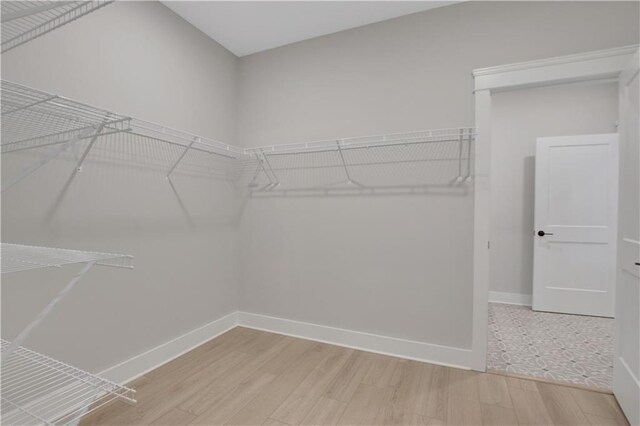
{"x":542,"y":233}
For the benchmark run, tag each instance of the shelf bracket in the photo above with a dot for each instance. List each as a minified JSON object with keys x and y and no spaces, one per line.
{"x":33,"y":168}
{"x":196,"y":139}
{"x":97,"y":133}
{"x":17,"y":342}
{"x":346,"y":169}
{"x":469,"y":140}
{"x":275,"y":178}
{"x":459,"y":179}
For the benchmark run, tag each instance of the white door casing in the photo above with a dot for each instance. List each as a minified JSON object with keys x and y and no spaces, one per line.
{"x":576,"y":202}
{"x":626,"y":371}
{"x":596,"y":65}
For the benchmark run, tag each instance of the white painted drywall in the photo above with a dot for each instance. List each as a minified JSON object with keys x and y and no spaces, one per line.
{"x":518,"y":118}
{"x":136,"y":58}
{"x":397,"y":266}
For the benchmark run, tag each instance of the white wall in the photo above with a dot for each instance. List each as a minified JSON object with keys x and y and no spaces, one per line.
{"x":136,"y":58}
{"x":398,"y":266}
{"x":518,"y":118}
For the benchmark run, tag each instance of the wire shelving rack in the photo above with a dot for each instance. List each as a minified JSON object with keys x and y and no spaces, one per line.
{"x":33,"y":119}
{"x":53,"y":126}
{"x":430,"y":158}
{"x":36,"y":119}
{"x":23,"y":21}
{"x":37,"y":389}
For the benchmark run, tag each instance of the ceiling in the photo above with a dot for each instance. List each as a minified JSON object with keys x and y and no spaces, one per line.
{"x":246,"y":27}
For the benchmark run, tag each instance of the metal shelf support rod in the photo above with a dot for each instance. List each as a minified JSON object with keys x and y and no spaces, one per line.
{"x":346,"y":169}
{"x":277,"y":181}
{"x":91,"y":142}
{"x":196,"y":139}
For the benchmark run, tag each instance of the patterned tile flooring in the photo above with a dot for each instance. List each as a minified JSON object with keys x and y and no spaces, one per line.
{"x":568,"y":348}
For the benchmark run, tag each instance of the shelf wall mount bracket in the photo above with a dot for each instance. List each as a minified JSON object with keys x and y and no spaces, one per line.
{"x":184,"y":153}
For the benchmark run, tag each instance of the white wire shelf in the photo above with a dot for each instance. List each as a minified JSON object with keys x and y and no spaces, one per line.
{"x":414,"y":160}
{"x":35,"y":119}
{"x":17,"y":257}
{"x":60,"y":127}
{"x":23,"y":21}
{"x":37,"y":389}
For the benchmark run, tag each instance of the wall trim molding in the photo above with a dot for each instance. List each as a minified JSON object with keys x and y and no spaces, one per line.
{"x":598,"y":64}
{"x":579,"y":57}
{"x":153,"y":358}
{"x":588,"y":66}
{"x":625,"y":380}
{"x":140,"y":364}
{"x":510,"y":298}
{"x":401,"y":348}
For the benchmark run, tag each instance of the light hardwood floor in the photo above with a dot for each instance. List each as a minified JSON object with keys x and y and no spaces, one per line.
{"x":249,"y":377}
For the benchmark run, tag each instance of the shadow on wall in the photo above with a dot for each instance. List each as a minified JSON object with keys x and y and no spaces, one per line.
{"x":123,"y":178}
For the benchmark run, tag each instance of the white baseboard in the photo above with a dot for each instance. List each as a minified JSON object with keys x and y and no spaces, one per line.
{"x":153,"y":358}
{"x":627,"y":387}
{"x":409,"y":349}
{"x":141,"y":364}
{"x":510,"y":298}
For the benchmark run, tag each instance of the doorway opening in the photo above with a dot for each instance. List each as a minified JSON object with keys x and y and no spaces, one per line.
{"x":552,"y":265}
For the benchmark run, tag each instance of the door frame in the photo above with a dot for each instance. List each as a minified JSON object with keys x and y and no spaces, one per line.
{"x":596,"y":65}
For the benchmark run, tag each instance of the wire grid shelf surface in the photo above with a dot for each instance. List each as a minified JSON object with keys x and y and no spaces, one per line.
{"x":405,"y":160}
{"x":432,"y":158}
{"x":33,"y":119}
{"x":17,"y":257}
{"x":23,"y":21}
{"x":37,"y":389}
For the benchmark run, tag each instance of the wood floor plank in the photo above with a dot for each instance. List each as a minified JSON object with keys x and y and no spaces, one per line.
{"x":325,"y":412}
{"x":493,"y":390}
{"x":529,"y":407}
{"x":365,"y":404}
{"x":603,"y":421}
{"x":497,"y":415}
{"x":381,"y":371}
{"x":464,"y":400}
{"x":436,"y":384}
{"x":278,"y":364}
{"x":279,"y":380}
{"x":599,"y":405}
{"x":231,"y":378}
{"x":561,"y":406}
{"x":395,"y":411}
{"x":263,"y":405}
{"x":173,"y":417}
{"x":408,"y":377}
{"x":177,"y":392}
{"x":298,"y":404}
{"x":261,"y":343}
{"x":518,"y":383}
{"x":223,"y":408}
{"x":345,"y":384}
{"x":274,"y":422}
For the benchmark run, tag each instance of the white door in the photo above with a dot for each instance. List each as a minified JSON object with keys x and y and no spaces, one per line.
{"x":576,"y":196}
{"x":626,"y":368}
